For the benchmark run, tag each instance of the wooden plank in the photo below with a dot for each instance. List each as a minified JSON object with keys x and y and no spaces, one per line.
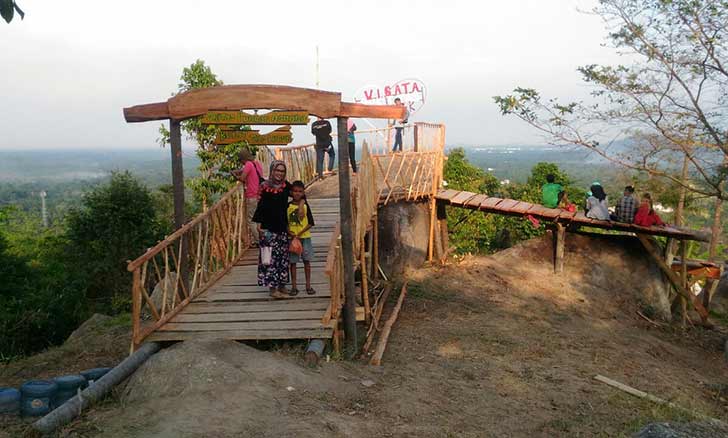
{"x":543,"y":212}
{"x":279,"y":305}
{"x":248,"y":316}
{"x":461,"y":197}
{"x":522,"y":207}
{"x":323,"y":333}
{"x":146,"y":112}
{"x":476,"y":201}
{"x":447,"y":195}
{"x":253,"y":325}
{"x":253,"y":137}
{"x":237,"y":97}
{"x":490,"y":203}
{"x":507,"y":205}
{"x":360,"y":110}
{"x":243,"y":118}
{"x":258,"y":296}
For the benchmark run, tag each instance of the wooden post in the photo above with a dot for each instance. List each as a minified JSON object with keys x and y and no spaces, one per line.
{"x":364,"y":282}
{"x":657,"y":257}
{"x":683,"y":280}
{"x":559,"y":237}
{"x":375,"y":248}
{"x":347,"y":240}
{"x":178,"y":179}
{"x":178,"y":186}
{"x":431,"y":238}
{"x":416,"y":144}
{"x":444,"y":236}
{"x":136,"y":307}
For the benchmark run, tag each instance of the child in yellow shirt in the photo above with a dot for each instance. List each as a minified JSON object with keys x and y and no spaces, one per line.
{"x":300,"y":221}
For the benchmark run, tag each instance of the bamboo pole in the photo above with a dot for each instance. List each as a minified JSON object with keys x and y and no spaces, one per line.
{"x":684,"y":280}
{"x":374,"y":327}
{"x":386,"y":330}
{"x":136,"y":307}
{"x":364,"y":282}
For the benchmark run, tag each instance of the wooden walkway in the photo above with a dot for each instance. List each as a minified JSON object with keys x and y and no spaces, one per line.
{"x":475,"y":201}
{"x":237,"y":308}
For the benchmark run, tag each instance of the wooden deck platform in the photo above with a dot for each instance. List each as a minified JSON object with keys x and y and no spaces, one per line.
{"x":475,"y":201}
{"x":237,"y":308}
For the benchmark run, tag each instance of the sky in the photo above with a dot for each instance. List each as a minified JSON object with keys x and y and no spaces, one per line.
{"x":69,"y":68}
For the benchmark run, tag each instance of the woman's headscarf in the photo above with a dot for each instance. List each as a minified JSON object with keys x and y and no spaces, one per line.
{"x":598,"y":192}
{"x":272,"y":183}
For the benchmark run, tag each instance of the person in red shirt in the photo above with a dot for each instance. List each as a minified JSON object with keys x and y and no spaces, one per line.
{"x":646,"y":215}
{"x":251,"y":174}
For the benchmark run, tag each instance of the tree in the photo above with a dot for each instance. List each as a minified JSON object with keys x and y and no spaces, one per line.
{"x":216,"y":161}
{"x":8,"y":8}
{"x":117,"y":222}
{"x":670,"y":102}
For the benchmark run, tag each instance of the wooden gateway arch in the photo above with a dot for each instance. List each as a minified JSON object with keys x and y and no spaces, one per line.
{"x":229,"y":249}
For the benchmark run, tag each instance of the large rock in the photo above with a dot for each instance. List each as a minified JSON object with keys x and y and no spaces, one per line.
{"x":404,"y":229}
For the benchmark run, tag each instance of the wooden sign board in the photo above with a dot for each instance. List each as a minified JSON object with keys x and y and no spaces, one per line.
{"x":280,"y":136}
{"x":241,"y":118}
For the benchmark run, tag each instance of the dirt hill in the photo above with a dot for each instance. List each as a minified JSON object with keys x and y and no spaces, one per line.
{"x":485,"y":346}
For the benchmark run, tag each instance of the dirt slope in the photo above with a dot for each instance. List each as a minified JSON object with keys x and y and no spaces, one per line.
{"x":486,"y":346}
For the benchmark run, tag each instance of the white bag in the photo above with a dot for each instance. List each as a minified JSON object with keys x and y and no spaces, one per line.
{"x":266,"y":253}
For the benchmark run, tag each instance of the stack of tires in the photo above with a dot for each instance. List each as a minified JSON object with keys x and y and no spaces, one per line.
{"x":39,"y":397}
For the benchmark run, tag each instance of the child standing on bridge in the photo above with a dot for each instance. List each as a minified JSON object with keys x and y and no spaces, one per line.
{"x":300,"y":221}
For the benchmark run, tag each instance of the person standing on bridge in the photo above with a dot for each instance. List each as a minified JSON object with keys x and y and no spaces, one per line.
{"x":399,"y":126}
{"x":251,"y":174}
{"x":271,"y":216}
{"x":351,"y":139}
{"x":321,"y":129}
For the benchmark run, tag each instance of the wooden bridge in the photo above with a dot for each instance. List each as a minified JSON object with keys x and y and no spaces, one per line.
{"x":216,"y":295}
{"x":201,"y":281}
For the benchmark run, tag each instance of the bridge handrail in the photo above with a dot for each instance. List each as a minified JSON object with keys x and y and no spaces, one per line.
{"x":187,"y":262}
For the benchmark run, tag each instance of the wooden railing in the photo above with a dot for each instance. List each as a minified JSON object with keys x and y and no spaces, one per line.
{"x":182,"y":266}
{"x":410,"y":175}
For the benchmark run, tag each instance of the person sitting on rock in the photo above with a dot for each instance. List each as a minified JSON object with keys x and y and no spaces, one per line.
{"x":626,"y":206}
{"x":646,"y":216}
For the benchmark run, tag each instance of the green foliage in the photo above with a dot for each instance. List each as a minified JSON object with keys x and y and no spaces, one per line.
{"x":41,"y":299}
{"x":216,"y":161}
{"x":117,"y":222}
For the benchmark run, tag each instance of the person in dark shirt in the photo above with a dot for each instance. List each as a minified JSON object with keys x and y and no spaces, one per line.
{"x":626,"y":206}
{"x":321,"y":129}
{"x":271,"y":216}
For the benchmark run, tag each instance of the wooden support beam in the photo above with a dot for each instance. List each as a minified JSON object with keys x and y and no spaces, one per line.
{"x":386,"y":330}
{"x":147,"y":112}
{"x":364,"y":281}
{"x":178,"y":187}
{"x":683,"y":281}
{"x":360,"y":110}
{"x":559,"y":237}
{"x":347,"y":240}
{"x":674,"y":279}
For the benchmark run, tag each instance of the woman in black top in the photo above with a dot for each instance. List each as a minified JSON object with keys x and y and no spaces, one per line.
{"x":271,"y":216}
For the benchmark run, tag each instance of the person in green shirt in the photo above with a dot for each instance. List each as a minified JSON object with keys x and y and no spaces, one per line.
{"x":551,"y":192}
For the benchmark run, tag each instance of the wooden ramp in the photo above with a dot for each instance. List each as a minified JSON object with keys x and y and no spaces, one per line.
{"x":512,"y":207}
{"x":237,"y":308}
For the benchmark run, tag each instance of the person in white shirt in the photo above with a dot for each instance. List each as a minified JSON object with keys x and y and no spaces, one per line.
{"x":597,"y":206}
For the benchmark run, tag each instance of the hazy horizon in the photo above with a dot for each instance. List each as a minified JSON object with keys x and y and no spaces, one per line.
{"x":71,"y":70}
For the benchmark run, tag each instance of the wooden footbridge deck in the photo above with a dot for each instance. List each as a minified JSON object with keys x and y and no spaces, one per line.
{"x":512,"y":207}
{"x":235,"y":307}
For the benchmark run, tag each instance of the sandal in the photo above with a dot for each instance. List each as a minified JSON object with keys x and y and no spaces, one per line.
{"x":310,"y":291}
{"x":293,"y":292}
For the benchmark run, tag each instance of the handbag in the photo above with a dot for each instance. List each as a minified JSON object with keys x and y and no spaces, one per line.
{"x":295,"y":247}
{"x":266,"y":254}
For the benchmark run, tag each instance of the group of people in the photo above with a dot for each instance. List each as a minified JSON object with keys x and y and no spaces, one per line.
{"x":627,"y":210}
{"x":280,"y":227}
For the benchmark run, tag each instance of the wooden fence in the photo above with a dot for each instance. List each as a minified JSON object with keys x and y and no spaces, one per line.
{"x":410,"y":175}
{"x":186,"y":263}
